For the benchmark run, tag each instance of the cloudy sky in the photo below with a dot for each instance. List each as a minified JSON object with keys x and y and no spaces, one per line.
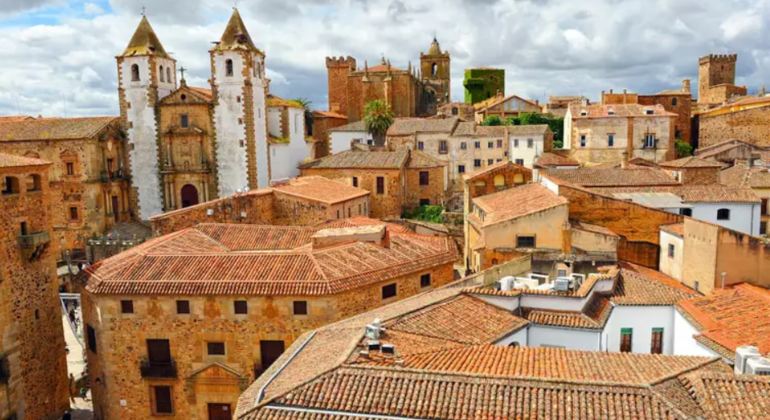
{"x":58,"y":56}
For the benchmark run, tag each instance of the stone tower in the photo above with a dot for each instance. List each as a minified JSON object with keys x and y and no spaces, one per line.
{"x":338,"y":70}
{"x":715,"y":69}
{"x":146,"y":74}
{"x":435,"y":72}
{"x":239,"y":88}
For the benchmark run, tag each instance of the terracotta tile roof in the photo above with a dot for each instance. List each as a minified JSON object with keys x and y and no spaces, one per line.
{"x":742,"y":176}
{"x":234,"y":259}
{"x":552,"y":159}
{"x":418,"y":159}
{"x":330,"y":114}
{"x":593,"y":177}
{"x":690,"y":162}
{"x":320,"y":189}
{"x":577,"y":224}
{"x":273,"y":100}
{"x":360,"y":160}
{"x":620,"y":111}
{"x":594,"y":315}
{"x":717,"y":148}
{"x":354,"y":126}
{"x":491,"y":168}
{"x":515,"y":202}
{"x":462,"y":319}
{"x":11,"y":161}
{"x":736,"y":316}
{"x":410,"y":126}
{"x":469,"y":128}
{"x":693,"y":193}
{"x":674,"y":228}
{"x":15,"y":118}
{"x":647,"y":287}
{"x":722,"y":396}
{"x":522,"y":130}
{"x":205,"y":93}
{"x":54,"y":129}
{"x":356,"y":221}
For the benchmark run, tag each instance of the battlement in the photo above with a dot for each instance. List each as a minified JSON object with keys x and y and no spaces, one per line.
{"x":718,"y":58}
{"x":347,"y":62}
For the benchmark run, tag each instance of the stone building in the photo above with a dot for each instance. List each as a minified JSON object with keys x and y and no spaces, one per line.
{"x":410,"y":93}
{"x":323,"y":121}
{"x":607,"y":133}
{"x":180,"y":326}
{"x":746,"y":119}
{"x":504,"y":107}
{"x":397,"y":180}
{"x":189,"y":144}
{"x":461,"y":110}
{"x":756,"y":178}
{"x":716,"y":79}
{"x":558,"y":105}
{"x":88,"y":178}
{"x":483,"y":83}
{"x":33,"y":366}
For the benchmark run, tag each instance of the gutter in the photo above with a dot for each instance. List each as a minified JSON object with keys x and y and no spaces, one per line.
{"x":269,"y":381}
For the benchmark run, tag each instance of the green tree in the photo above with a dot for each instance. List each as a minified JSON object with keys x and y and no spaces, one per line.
{"x":305,"y":104}
{"x":682,"y":149}
{"x":492,"y":120}
{"x":512,"y":121}
{"x":554,"y":123}
{"x":378,"y":117}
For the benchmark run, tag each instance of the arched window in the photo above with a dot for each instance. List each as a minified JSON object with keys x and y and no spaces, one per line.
{"x":494,"y":261}
{"x":162,"y":76}
{"x":229,"y":68}
{"x":514,"y":344}
{"x":11,"y":185}
{"x":518,"y":179}
{"x":34,"y":183}
{"x":673,"y":101}
{"x":723,"y":214}
{"x":257,"y":69}
{"x":135,"y":72}
{"x":434,"y":69}
{"x":499,"y":181}
{"x":168,"y":75}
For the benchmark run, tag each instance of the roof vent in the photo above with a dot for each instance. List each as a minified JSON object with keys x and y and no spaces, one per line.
{"x":758,"y":366}
{"x":649,"y":111}
{"x":210,"y":212}
{"x":742,"y":355}
{"x":374,"y":329}
{"x":388,"y":349}
{"x":583,"y":113}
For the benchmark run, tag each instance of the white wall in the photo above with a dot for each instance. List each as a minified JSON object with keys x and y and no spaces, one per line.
{"x":519,"y":336}
{"x":642,"y":319}
{"x":340,"y":140}
{"x":567,"y":135}
{"x":509,"y":303}
{"x":671,"y":266}
{"x":571,"y":339}
{"x":286,"y":157}
{"x":744,"y":217}
{"x":260,"y":122}
{"x":684,"y":343}
{"x":529,"y":155}
{"x":274,"y":121}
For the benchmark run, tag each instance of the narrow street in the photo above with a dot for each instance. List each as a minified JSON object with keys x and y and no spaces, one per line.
{"x":76,"y":365}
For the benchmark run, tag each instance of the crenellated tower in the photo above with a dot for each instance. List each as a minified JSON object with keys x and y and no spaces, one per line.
{"x":146,"y":74}
{"x":239,"y":92}
{"x":713,"y":70}
{"x":338,"y":70}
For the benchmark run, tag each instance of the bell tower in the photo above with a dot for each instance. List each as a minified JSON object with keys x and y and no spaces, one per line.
{"x":146,"y":74}
{"x":435,"y":72}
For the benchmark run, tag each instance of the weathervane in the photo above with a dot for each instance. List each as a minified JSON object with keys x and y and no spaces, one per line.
{"x":144,"y":9}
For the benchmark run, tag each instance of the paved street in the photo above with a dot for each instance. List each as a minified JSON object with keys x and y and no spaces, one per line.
{"x":81,"y":410}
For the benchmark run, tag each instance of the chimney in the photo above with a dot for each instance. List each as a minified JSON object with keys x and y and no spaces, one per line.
{"x":624,"y":96}
{"x":686,"y":85}
{"x":762,"y":91}
{"x":624,"y":162}
{"x":602,"y":97}
{"x":371,"y":234}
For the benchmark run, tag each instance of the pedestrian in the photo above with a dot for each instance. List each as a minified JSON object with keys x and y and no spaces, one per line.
{"x":84,"y":393}
{"x":66,"y":416}
{"x":72,"y":316}
{"x":73,"y":389}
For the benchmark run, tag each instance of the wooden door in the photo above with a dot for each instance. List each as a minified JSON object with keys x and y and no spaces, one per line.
{"x":159,"y":352}
{"x":270,"y":350}
{"x":219,"y":412}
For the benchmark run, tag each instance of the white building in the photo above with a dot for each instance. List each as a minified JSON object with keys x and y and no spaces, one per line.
{"x":341,"y":138}
{"x":288,"y":145}
{"x":526,"y":143}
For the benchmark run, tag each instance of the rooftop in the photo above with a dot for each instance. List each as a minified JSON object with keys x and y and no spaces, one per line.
{"x":227,"y":259}
{"x":320,"y":189}
{"x":354,"y":126}
{"x":742,"y":176}
{"x":360,"y":160}
{"x":12,"y":161}
{"x":493,"y":167}
{"x":618,"y":111}
{"x":54,"y":128}
{"x":481,"y":106}
{"x":144,"y":42}
{"x":552,"y":159}
{"x":276,"y":101}
{"x":690,"y":162}
{"x":612,"y":177}
{"x":330,"y":114}
{"x":514,"y":203}
{"x":689,"y":193}
{"x":674,"y":229}
{"x":15,"y":118}
{"x":469,"y":128}
{"x":410,"y":126}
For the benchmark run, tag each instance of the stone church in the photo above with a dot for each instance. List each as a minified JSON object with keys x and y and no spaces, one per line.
{"x":188,"y":144}
{"x":414,"y":92}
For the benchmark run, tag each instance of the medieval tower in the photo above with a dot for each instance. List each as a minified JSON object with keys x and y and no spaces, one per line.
{"x":146,"y":74}
{"x":713,"y":70}
{"x":434,"y":67}
{"x":240,"y":117}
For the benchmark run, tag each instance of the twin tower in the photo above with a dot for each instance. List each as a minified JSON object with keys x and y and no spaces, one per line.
{"x":238,"y":138}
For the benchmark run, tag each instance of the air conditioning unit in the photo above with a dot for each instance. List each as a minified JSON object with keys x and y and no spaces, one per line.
{"x":758,"y":366}
{"x":579,"y":278}
{"x":561,"y":284}
{"x":506,"y":283}
{"x":742,"y":355}
{"x":374,"y":329}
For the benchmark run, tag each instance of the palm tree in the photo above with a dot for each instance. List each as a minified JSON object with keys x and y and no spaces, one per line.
{"x":378,"y":117}
{"x":305,"y":104}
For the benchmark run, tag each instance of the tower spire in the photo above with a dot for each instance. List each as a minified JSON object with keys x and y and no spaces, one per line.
{"x":236,"y":37}
{"x":144,"y":41}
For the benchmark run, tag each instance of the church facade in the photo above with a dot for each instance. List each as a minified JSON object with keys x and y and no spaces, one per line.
{"x":188,"y":144}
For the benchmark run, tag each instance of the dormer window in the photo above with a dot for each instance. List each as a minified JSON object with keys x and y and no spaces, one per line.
{"x":229,"y":68}
{"x":135,"y":72}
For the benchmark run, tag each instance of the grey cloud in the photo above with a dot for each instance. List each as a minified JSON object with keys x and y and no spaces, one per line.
{"x":15,"y":6}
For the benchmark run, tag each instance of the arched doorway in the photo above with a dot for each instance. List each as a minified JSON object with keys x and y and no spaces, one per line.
{"x":189,"y":196}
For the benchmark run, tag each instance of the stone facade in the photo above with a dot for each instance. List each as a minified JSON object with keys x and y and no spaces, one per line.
{"x":88,"y":179}
{"x":389,"y":203}
{"x":716,"y":78}
{"x":419,"y":192}
{"x":33,"y":366}
{"x":748,"y":121}
{"x":465,"y":112}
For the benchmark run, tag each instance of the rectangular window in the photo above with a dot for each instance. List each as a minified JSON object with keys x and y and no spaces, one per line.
{"x":657,"y":341}
{"x":520,"y":162}
{"x":355,"y":181}
{"x":162,"y":400}
{"x":499,"y":144}
{"x":425,"y":280}
{"x":516,"y":143}
{"x":91,"y":333}
{"x":610,"y":140}
{"x":424,"y":202}
{"x":126,"y":306}
{"x":763,"y":207}
{"x":476,"y":163}
{"x":525,"y":242}
{"x":477,"y":145}
{"x":424,"y":178}
{"x":185,"y":121}
{"x":70,"y":168}
{"x":183,"y":306}
{"x":338,"y":214}
{"x":499,"y":160}
{"x":671,"y":249}
{"x":626,"y":338}
{"x":490,"y":161}
{"x":380,"y":185}
{"x":685,"y":212}
{"x":241,"y":306}
{"x":215,"y":349}
{"x":582,"y":140}
{"x":158,"y":352}
{"x":73,"y":213}
{"x":420,"y":145}
{"x":300,"y":307}
{"x":649,"y":141}
{"x":463,"y":145}
{"x":23,"y":229}
{"x":389,"y":291}
{"x":763,"y":228}
{"x":490,"y":144}
{"x":460,"y":169}
{"x":442,"y":147}
{"x":530,"y":143}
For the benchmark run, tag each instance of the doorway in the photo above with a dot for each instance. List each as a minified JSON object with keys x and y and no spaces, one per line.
{"x":116,"y":208}
{"x":189,"y":196}
{"x":219,"y":412}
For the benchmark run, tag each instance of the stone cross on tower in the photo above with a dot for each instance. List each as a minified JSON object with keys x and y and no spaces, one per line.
{"x":144,"y":9}
{"x":182,"y":70}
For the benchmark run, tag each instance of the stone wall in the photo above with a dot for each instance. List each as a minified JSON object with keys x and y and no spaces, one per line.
{"x":31,"y":336}
{"x":750,"y":125}
{"x":700,"y":176}
{"x":296,"y":211}
{"x":682,"y":108}
{"x":434,"y":192}
{"x":338,"y":70}
{"x":387,"y":205}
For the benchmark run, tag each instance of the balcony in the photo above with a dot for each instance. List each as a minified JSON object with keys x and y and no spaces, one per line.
{"x":34,"y":240}
{"x":107,"y":176}
{"x":155,"y":370}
